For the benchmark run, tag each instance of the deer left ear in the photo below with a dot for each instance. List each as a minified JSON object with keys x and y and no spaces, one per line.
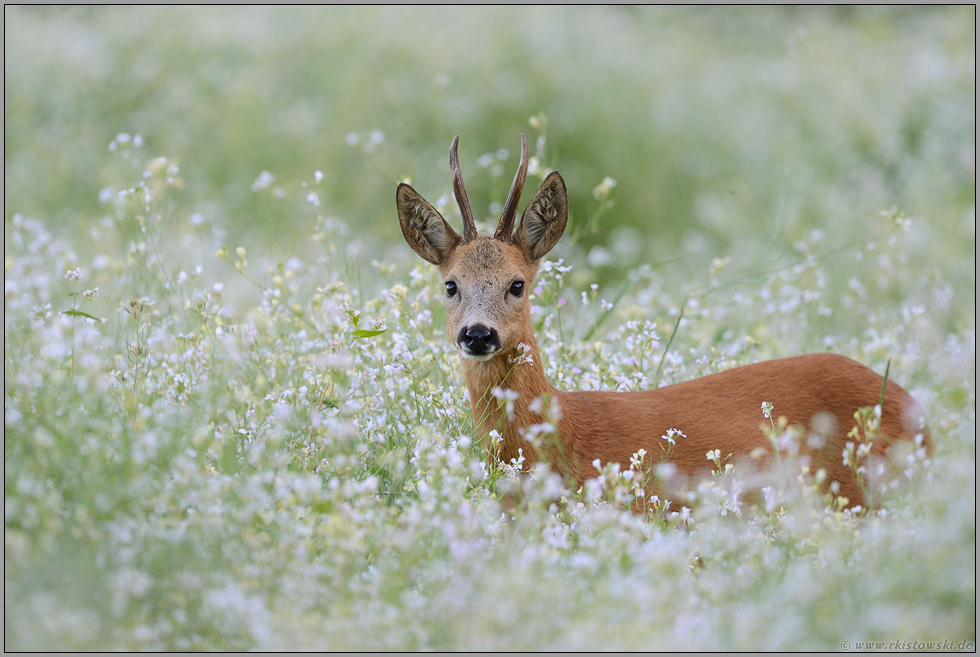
{"x":423,"y":227}
{"x":544,"y":218}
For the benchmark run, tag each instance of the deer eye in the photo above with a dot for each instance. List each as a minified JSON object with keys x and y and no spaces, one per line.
{"x":450,"y":289}
{"x":517,"y":288}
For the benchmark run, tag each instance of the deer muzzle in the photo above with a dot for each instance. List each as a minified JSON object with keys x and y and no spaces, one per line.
{"x":478,"y":342}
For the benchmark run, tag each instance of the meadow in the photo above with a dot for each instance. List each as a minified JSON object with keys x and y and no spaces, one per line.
{"x":233,"y":419}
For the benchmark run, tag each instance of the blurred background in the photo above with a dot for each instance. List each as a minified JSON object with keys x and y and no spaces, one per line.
{"x":724,"y":131}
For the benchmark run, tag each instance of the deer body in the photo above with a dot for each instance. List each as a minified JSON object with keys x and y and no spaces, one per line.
{"x":488,"y":318}
{"x":819,"y":392}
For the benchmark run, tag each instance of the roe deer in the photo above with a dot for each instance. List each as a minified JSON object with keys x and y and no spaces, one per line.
{"x":486,"y":280}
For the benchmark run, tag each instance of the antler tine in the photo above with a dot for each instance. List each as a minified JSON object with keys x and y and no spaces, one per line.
{"x":469,"y":226}
{"x":506,"y":226}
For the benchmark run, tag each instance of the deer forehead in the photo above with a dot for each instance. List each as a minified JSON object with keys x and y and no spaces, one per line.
{"x":487,"y":262}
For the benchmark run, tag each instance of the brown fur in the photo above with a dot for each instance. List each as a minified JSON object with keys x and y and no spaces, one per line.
{"x":718,"y":411}
{"x":820,"y":392}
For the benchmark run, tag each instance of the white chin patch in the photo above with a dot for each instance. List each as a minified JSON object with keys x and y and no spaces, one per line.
{"x":479,"y":357}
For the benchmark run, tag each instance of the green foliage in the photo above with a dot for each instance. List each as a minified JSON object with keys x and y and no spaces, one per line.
{"x":233,"y":421}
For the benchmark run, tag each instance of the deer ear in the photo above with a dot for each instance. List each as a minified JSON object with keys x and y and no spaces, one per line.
{"x":544,"y":219}
{"x":423,"y":227}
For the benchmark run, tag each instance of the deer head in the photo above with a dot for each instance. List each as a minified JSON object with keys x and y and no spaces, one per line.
{"x":486,"y":278}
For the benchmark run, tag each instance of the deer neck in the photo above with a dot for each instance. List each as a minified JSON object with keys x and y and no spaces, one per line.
{"x":492,"y":385}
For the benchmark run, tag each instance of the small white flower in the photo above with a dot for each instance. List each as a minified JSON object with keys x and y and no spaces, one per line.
{"x":263,"y":181}
{"x":523,"y":355}
{"x":603,"y":189}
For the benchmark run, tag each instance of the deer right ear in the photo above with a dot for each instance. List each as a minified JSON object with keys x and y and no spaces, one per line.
{"x":544,"y":219}
{"x":424,"y":229}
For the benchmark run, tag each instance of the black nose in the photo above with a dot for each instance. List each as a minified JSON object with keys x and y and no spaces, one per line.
{"x":478,"y":340}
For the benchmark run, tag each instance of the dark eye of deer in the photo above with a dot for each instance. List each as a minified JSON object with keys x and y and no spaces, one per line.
{"x":517,"y":288}
{"x":450,"y":289}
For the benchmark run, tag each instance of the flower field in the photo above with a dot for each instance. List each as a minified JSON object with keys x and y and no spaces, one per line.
{"x":233,"y":419}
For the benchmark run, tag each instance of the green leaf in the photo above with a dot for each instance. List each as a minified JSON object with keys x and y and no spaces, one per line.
{"x":366,"y":334}
{"x":79,"y":313}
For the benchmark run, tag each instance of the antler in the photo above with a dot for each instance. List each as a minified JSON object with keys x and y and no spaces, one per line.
{"x":506,"y":226}
{"x":469,"y":226}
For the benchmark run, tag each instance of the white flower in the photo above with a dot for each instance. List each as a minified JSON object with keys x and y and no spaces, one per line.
{"x":669,"y":436}
{"x":524,"y":356}
{"x":263,"y":181}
